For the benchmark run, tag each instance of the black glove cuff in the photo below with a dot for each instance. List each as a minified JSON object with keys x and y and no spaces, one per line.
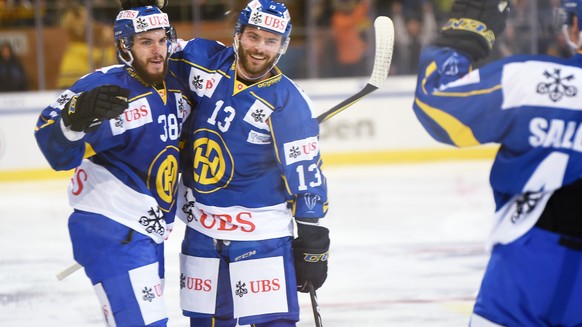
{"x":314,"y":236}
{"x":467,"y":44}
{"x":68,"y":110}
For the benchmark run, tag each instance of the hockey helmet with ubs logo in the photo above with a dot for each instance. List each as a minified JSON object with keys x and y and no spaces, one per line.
{"x":266,"y":15}
{"x":138,"y":20}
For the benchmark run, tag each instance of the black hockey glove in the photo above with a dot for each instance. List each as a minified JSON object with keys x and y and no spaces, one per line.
{"x":310,"y":251}
{"x":473,"y":26}
{"x":127,"y":4}
{"x":87,"y":110}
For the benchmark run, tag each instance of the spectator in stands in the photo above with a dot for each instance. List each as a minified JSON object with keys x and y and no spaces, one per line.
{"x":349,"y":25}
{"x":12,"y":74}
{"x":78,"y":58}
{"x":415,"y":28}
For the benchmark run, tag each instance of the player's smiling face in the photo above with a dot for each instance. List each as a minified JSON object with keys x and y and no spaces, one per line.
{"x":258,"y":51}
{"x":150,"y":50}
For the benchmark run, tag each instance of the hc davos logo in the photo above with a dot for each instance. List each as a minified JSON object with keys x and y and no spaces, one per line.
{"x":163,"y":177}
{"x":213,"y":166}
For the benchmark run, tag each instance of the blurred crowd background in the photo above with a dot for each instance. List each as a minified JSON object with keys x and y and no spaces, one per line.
{"x":47,"y":45}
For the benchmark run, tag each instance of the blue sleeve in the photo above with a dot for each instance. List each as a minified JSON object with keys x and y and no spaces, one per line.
{"x":296,"y":134}
{"x":529,"y":104}
{"x":62,"y":152}
{"x":190,"y":52}
{"x":458,"y":105}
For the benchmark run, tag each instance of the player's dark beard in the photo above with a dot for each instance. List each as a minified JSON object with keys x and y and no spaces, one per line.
{"x":243,"y":62}
{"x":151,"y":79}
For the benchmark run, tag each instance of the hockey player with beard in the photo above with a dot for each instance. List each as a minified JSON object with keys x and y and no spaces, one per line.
{"x":252,"y":167}
{"x":532,"y":106}
{"x":119,"y":128}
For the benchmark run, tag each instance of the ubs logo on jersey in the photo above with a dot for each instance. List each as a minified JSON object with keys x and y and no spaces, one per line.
{"x":301,"y":150}
{"x":163,"y":177}
{"x":136,"y":115}
{"x":213,"y":166}
{"x":203,"y":83}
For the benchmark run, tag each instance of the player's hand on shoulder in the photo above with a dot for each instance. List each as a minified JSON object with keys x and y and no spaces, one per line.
{"x":87,"y":110}
{"x":473,"y":26}
{"x":127,"y":4}
{"x":310,"y":252}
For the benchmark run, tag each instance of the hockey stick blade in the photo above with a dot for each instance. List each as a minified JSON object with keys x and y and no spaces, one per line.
{"x":67,"y":272}
{"x":315,"y":306}
{"x":384,"y":31}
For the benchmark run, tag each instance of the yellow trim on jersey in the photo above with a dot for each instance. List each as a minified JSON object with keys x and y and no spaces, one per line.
{"x":89,"y":151}
{"x":163,"y":93}
{"x":460,"y":134}
{"x":470,"y":93}
{"x":47,"y":123}
{"x":265,"y":102}
{"x":140,"y":96}
{"x":278,"y":156}
{"x":238,"y":87}
{"x":428,"y":71}
{"x":202,"y":68}
{"x":274,"y":142}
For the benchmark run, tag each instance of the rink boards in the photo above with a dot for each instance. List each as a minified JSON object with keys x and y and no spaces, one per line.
{"x":381,"y":128}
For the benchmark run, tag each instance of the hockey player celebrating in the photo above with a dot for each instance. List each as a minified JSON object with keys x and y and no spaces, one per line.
{"x":252,"y":164}
{"x":119,"y":127}
{"x":532,"y":107}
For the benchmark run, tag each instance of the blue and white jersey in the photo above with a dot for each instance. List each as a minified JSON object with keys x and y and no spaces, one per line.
{"x":252,"y":159}
{"x":128,"y":168}
{"x":530,"y":105}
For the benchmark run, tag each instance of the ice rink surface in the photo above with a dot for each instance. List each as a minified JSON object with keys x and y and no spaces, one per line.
{"x":407,"y":250}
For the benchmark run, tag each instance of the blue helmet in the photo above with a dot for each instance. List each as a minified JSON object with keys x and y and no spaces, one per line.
{"x":137,"y":20}
{"x":267,"y":15}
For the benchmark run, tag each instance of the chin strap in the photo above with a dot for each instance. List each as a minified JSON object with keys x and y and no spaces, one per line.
{"x":127,"y":62}
{"x":247,"y":78}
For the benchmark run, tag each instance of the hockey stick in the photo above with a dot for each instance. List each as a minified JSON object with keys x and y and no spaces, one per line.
{"x":67,"y":272}
{"x":384,"y":31}
{"x":315,"y":306}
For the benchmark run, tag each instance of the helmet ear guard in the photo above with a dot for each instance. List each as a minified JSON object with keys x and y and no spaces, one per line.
{"x":125,"y":45}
